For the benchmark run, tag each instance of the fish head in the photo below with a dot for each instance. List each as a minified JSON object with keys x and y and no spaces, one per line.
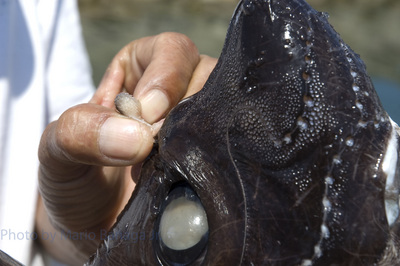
{"x":285,"y":157}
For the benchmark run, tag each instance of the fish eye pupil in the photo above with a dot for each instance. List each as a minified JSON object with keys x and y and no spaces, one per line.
{"x":182,"y":227}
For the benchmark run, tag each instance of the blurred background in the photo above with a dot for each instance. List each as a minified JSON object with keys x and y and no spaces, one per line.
{"x":370,"y":27}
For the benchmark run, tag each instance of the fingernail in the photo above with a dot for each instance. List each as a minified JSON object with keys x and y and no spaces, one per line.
{"x":154,"y":105}
{"x":121,"y":138}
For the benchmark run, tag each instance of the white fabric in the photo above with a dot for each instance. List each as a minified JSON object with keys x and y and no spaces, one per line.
{"x":44,"y":70}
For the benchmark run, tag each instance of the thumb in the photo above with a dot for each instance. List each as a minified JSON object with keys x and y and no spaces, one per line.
{"x":91,"y":134}
{"x":72,"y":153}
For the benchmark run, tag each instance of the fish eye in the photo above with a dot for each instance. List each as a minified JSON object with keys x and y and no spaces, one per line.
{"x":182,"y":228}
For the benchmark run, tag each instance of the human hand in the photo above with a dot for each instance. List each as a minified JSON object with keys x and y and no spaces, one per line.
{"x":86,"y":157}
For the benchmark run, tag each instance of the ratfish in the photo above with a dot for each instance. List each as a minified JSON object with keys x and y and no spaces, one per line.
{"x":285,"y":157}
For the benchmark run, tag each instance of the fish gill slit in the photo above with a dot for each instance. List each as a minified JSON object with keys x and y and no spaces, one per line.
{"x":243,"y":191}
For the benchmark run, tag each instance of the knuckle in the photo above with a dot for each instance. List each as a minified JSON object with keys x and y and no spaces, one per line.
{"x":66,"y":126}
{"x":180,"y":42}
{"x":73,"y":131}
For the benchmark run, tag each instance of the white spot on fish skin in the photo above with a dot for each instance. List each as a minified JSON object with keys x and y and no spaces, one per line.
{"x":389,"y":168}
{"x":286,"y":34}
{"x":308,"y":101}
{"x":376,"y":167}
{"x":327,"y":204}
{"x":251,"y":89}
{"x":301,"y":123}
{"x":308,"y":59}
{"x":306,"y":263}
{"x":287,"y":139}
{"x":317,"y":251}
{"x":362,"y":124}
{"x":356,"y":88}
{"x":329,"y":180}
{"x":248,"y":8}
{"x":359,"y":105}
{"x":349,"y":59}
{"x":350,"y":142}
{"x":337,"y":159}
{"x":324,"y":231}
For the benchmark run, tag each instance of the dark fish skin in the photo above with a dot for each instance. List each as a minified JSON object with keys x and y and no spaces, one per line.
{"x":6,"y":260}
{"x":284,"y":146}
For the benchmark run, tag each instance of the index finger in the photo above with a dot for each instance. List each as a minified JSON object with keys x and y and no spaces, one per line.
{"x":156,"y":70}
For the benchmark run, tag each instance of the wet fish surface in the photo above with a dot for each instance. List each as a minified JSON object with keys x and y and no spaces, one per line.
{"x":6,"y":260}
{"x":285,"y":157}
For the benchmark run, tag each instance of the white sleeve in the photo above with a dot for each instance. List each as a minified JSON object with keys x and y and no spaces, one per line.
{"x":44,"y":70}
{"x":68,"y":77}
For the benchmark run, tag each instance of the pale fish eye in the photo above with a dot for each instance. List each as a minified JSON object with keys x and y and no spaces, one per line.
{"x":183,"y":224}
{"x":182,"y":227}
